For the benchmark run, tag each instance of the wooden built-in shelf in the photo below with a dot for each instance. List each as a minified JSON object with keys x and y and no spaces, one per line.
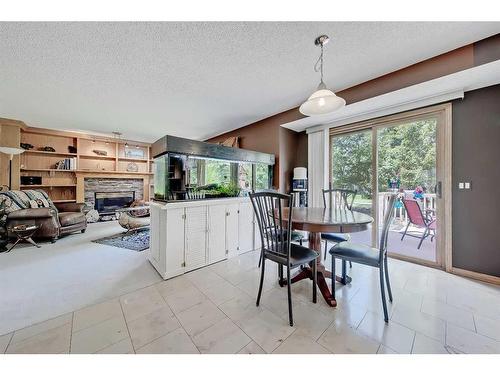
{"x":64,"y":200}
{"x":47,"y":170}
{"x":50,"y":153}
{"x":133,"y":159}
{"x":106,"y":157}
{"x":46,"y":185}
{"x":67,"y":185}
{"x":112,"y":172}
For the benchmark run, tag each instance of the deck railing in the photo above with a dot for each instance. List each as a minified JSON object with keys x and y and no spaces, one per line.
{"x":427,"y":202}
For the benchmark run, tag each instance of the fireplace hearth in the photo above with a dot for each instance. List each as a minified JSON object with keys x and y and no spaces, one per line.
{"x":106,"y":202}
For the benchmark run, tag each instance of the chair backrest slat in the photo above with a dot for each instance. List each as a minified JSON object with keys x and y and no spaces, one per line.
{"x":274,"y":227}
{"x":339,"y":198}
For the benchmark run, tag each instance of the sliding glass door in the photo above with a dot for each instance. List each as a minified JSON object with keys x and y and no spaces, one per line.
{"x":352,"y":168}
{"x":403,"y":155}
{"x":406,"y":165}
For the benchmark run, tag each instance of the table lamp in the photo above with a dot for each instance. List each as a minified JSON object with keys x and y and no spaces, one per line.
{"x":11,"y":151}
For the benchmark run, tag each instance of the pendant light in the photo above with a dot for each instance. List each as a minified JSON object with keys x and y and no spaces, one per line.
{"x":322,"y":101}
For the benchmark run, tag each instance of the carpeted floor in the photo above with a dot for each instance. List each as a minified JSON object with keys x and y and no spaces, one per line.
{"x":37,"y":284}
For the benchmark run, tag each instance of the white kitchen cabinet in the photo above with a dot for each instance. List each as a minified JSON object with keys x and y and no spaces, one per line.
{"x":232,"y":241}
{"x":245,"y":227}
{"x":166,"y":250}
{"x":216,"y":233}
{"x":196,"y":237}
{"x":190,"y":235}
{"x":154,"y":239}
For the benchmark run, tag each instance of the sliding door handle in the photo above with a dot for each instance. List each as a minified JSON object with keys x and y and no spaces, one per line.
{"x":439,"y":189}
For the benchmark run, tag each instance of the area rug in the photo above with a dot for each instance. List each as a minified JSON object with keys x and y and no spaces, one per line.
{"x":137,"y":240}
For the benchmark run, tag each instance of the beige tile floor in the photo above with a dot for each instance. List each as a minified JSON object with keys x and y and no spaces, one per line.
{"x":212,"y":310}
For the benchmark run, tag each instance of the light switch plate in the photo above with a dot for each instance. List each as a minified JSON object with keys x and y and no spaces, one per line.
{"x":460,"y":185}
{"x":467,"y":185}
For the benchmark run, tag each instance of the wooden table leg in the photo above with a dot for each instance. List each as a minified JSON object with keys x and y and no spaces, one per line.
{"x":322,"y":273}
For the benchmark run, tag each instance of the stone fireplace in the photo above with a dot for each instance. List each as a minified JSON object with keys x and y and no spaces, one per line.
{"x":93,"y":185}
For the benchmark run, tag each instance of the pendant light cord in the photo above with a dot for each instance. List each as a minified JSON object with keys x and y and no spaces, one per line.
{"x":320,"y":68}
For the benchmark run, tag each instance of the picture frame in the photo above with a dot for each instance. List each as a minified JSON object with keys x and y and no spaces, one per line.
{"x":137,"y":153}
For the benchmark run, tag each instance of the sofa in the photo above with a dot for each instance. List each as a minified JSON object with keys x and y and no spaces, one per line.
{"x":35,"y":207}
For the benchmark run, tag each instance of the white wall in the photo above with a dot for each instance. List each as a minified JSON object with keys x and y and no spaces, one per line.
{"x":318,"y":164}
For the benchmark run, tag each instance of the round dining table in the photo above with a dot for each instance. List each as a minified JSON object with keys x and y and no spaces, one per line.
{"x":317,"y":220}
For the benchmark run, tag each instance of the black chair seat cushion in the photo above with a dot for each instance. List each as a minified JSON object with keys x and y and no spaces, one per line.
{"x":335,"y":237}
{"x":356,"y":253}
{"x":298,"y":255}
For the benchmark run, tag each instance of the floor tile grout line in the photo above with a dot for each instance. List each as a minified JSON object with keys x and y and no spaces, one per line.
{"x":85,"y":307}
{"x":34,"y":324}
{"x":71,"y":331}
{"x":126,"y":325}
{"x":8,"y":344}
{"x":245,"y":293}
{"x":474,"y":321}
{"x":413,"y":341}
{"x":110,"y":345}
{"x":39,"y":333}
{"x":180,"y":322}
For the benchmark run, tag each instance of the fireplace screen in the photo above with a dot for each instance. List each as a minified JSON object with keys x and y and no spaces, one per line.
{"x":109,"y":202}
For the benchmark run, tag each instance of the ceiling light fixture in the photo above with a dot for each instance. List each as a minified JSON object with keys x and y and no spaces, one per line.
{"x":322,"y":101}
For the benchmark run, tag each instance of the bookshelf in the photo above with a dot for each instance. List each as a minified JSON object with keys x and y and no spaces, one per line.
{"x":121,"y":159}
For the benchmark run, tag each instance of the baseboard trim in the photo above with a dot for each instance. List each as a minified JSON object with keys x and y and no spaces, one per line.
{"x":476,"y":275}
{"x":421,"y":262}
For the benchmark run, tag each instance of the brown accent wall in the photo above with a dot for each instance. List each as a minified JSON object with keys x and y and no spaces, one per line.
{"x":265,"y":136}
{"x":268,"y":136}
{"x":476,"y":158}
{"x":447,"y":63}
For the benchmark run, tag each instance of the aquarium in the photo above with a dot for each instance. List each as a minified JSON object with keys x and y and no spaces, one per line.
{"x":185,"y":169}
{"x":187,"y":177}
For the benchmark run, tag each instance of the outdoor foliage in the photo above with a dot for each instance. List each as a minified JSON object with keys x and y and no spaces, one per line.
{"x":407,"y":152}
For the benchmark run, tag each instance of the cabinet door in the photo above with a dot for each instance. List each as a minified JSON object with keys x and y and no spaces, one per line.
{"x":245,"y":227}
{"x":232,"y":229}
{"x":172,"y":234}
{"x":196,"y":237}
{"x":154,"y":241}
{"x":216,"y":233}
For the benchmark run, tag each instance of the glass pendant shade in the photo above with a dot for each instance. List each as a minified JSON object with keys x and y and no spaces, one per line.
{"x":321,"y":102}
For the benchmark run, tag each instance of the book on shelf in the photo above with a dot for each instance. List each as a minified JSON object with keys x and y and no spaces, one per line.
{"x":67,"y":164}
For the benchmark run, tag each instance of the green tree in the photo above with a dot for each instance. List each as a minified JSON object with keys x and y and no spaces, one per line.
{"x":352,"y":162}
{"x":406,"y":151}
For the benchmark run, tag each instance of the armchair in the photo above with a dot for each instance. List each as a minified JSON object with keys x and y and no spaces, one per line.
{"x":35,"y":207}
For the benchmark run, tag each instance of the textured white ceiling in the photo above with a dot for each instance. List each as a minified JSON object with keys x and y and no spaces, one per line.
{"x":195,"y":79}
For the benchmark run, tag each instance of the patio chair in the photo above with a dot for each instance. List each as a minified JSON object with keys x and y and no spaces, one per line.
{"x":369,"y":256}
{"x":418,"y":219}
{"x":275,"y":233}
{"x":341,"y":198}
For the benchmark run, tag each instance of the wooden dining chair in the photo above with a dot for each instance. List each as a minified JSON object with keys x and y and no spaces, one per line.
{"x":275,"y":233}
{"x":369,"y":256}
{"x":339,"y":198}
